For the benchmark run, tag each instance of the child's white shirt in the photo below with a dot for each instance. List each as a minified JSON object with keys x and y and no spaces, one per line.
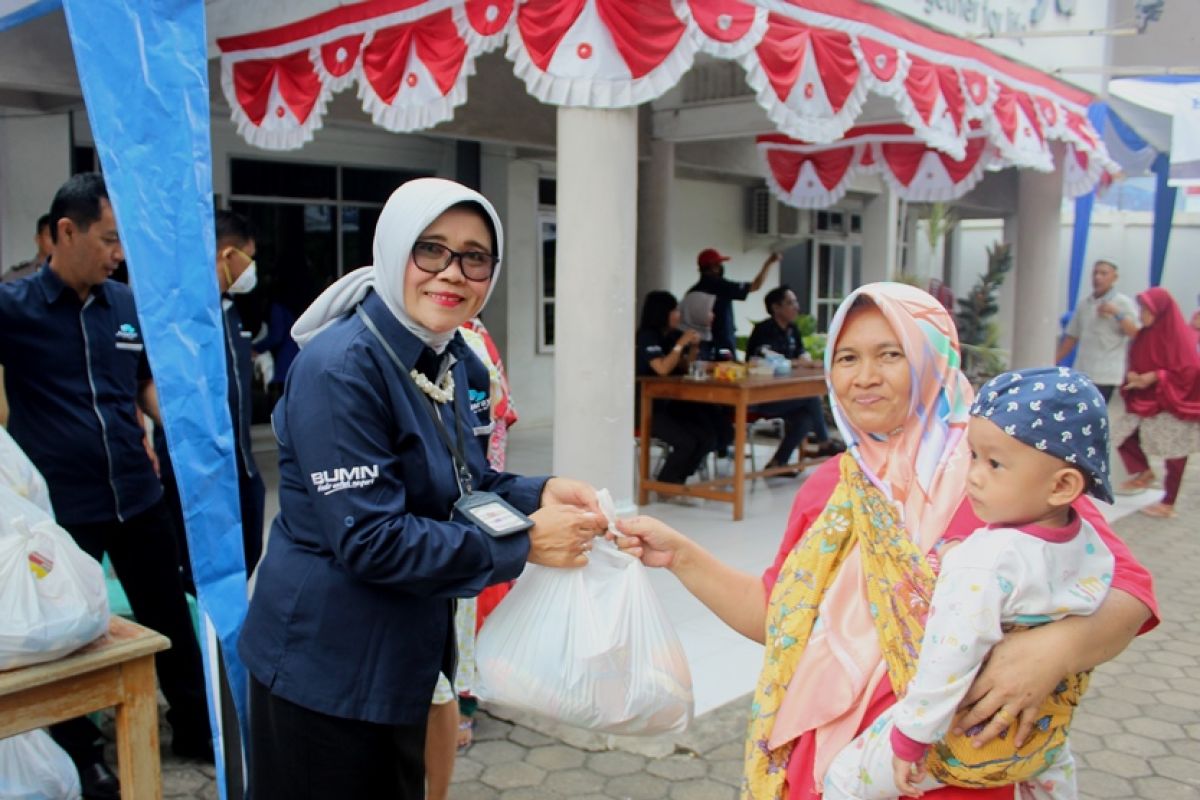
{"x":999,"y":577}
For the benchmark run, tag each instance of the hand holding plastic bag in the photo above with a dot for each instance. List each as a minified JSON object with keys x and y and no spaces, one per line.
{"x":33,"y":767}
{"x":52,"y":594}
{"x":591,"y":647}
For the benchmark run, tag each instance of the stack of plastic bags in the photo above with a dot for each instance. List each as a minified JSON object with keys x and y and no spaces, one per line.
{"x":52,"y":602}
{"x":590,"y":647}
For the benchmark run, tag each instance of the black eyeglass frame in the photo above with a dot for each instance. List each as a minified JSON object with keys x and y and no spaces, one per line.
{"x":451,"y":256}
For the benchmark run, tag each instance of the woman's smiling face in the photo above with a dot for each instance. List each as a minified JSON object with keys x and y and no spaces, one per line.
{"x":441,"y":302}
{"x":870,"y":373}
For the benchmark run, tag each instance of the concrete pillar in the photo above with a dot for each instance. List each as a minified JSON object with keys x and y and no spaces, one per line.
{"x":880,"y":231}
{"x":1039,"y":224}
{"x":511,"y":185}
{"x":595,"y":303}
{"x":656,"y":191}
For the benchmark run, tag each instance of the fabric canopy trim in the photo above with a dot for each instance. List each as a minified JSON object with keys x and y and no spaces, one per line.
{"x":809,"y":175}
{"x":811,"y":64}
{"x":806,"y":175}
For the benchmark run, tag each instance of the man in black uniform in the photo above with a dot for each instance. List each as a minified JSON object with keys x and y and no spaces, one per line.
{"x":75,"y":371}
{"x":713,"y":281}
{"x":803,"y":417}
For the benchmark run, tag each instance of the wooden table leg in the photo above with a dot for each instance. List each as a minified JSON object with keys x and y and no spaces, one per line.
{"x":137,"y":732}
{"x":644,"y":449}
{"x":739,"y":458}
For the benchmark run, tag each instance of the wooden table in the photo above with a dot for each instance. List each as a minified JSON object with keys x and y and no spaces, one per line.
{"x":739,"y":394}
{"x":115,"y":670}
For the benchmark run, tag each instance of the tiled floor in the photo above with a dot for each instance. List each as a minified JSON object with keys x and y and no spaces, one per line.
{"x":724,"y":664}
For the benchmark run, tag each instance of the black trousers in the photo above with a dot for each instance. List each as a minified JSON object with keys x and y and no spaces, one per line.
{"x":296,"y":753}
{"x":800,"y":418}
{"x":691,"y":431}
{"x":142,"y":550}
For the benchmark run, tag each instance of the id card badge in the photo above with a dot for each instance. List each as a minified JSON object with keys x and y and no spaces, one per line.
{"x":492,"y":514}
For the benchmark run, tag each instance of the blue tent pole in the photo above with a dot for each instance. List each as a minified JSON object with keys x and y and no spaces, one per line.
{"x":1164,"y":215}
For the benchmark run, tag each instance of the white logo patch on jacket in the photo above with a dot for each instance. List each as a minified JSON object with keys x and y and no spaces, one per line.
{"x":335,"y":480}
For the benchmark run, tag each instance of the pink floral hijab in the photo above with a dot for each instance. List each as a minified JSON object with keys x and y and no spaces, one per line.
{"x":923,"y":466}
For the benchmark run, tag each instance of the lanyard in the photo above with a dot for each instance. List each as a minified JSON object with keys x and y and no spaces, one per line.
{"x":461,"y":472}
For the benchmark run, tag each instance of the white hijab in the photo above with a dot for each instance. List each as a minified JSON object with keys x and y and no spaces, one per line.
{"x":408,"y":212}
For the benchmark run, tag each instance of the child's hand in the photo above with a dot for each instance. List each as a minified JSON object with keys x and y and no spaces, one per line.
{"x":656,"y":543}
{"x":907,"y":775}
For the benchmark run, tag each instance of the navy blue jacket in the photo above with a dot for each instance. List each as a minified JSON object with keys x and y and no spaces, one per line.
{"x":72,"y":371}
{"x":351,"y":613}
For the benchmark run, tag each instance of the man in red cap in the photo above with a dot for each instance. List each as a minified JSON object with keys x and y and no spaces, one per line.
{"x":713,"y":281}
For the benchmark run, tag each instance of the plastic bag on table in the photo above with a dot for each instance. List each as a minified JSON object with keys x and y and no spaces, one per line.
{"x":53,"y":598}
{"x":33,"y":767}
{"x":19,"y":474}
{"x":591,"y":647}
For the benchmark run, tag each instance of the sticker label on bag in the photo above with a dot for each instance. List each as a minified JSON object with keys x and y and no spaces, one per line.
{"x":40,"y":565}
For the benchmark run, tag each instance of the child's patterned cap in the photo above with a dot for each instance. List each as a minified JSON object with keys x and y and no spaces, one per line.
{"x":1056,"y":410}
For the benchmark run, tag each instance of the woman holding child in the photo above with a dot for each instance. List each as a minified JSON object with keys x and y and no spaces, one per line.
{"x":902,"y":405}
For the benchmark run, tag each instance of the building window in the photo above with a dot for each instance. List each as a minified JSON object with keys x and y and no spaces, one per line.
{"x":547,"y":263}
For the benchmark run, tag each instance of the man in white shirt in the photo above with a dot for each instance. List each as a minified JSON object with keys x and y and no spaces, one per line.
{"x":1102,"y":326}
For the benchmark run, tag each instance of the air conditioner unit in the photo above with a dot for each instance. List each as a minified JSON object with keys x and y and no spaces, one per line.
{"x":758,"y":212}
{"x":766,"y":216}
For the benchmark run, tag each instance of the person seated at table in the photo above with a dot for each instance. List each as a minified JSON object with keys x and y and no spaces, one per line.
{"x":696,"y":313}
{"x":803,"y":418}
{"x":687,"y":428}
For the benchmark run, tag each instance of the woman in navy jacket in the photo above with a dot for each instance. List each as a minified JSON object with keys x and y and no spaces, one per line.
{"x":351,"y":618}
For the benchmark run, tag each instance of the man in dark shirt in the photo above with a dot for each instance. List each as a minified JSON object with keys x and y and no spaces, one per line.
{"x":803,"y":417}
{"x":75,"y":372}
{"x":713,"y":281}
{"x":236,"y":274}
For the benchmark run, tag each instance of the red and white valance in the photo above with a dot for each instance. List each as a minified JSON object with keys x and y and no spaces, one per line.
{"x":810,"y":175}
{"x":811,"y":64}
{"x":807,"y":175}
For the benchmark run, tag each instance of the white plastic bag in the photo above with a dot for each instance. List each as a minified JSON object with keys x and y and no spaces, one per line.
{"x":591,"y":647}
{"x":52,"y":594}
{"x":33,"y":767}
{"x":19,"y":474}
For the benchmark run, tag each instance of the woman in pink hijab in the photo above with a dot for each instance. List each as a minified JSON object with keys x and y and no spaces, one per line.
{"x":901,"y":404}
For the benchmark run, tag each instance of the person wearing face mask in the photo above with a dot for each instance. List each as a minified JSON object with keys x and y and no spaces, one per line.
{"x":237,"y":274}
{"x":388,"y":510}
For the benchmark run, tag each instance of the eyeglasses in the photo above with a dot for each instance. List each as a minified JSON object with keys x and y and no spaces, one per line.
{"x":434,"y":258}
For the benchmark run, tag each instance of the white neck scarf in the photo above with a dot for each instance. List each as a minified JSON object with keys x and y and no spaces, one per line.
{"x":409,"y":211}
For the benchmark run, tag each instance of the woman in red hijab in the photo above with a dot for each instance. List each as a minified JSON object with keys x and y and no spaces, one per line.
{"x":1161,"y":398}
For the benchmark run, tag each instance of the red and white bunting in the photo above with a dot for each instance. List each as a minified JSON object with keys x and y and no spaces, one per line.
{"x":811,"y":64}
{"x":807,"y":175}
